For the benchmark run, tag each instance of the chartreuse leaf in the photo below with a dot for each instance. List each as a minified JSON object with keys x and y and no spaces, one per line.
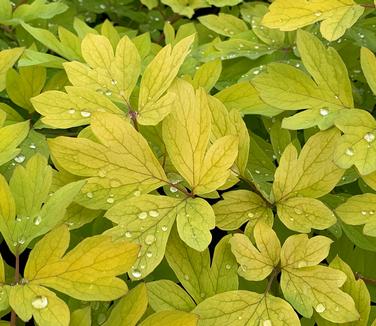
{"x":153,"y":105}
{"x":240,"y":206}
{"x":185,"y":7}
{"x":146,"y":220}
{"x":224,"y":24}
{"x":368,"y":62}
{"x":4,"y":302}
{"x":24,"y":84}
{"x":358,"y":210}
{"x":5,"y":10}
{"x":256,"y":263}
{"x":7,"y":59}
{"x":46,"y":307}
{"x":73,"y":108}
{"x":123,"y":164}
{"x":114,"y":74}
{"x":307,"y":285}
{"x":186,"y":133}
{"x":129,"y":310}
{"x":336,"y":16}
{"x":207,"y":75}
{"x":173,"y":317}
{"x":358,"y":291}
{"x":167,"y":295}
{"x":27,"y":210}
{"x":312,"y":174}
{"x":288,"y":88}
{"x":193,"y":270}
{"x":38,"y":9}
{"x":10,"y":137}
{"x":243,"y":308}
{"x":357,"y":145}
{"x":87,"y":272}
{"x":81,"y":317}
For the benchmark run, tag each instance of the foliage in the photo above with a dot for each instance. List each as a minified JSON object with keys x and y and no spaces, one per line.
{"x":196,"y":162}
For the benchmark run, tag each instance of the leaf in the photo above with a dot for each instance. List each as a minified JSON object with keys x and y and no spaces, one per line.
{"x":10,"y":137}
{"x":313,"y":174}
{"x":241,"y":308}
{"x":31,"y":300}
{"x":7,"y":59}
{"x":129,"y":310}
{"x":113,"y":74}
{"x":121,"y":165}
{"x":186,"y":134}
{"x":81,"y":317}
{"x":288,"y":88}
{"x":157,"y":78}
{"x":38,"y":9}
{"x":303,"y":214}
{"x":256,"y":263}
{"x":87,"y":272}
{"x":357,"y":145}
{"x":207,"y":75}
{"x":146,"y":220}
{"x":167,"y":295}
{"x":73,"y":108}
{"x":185,"y":7}
{"x":336,"y":16}
{"x":224,"y":24}
{"x":358,"y":210}
{"x":194,"y":221}
{"x":174,"y":317}
{"x":368,"y":62}
{"x":23,"y":85}
{"x":307,"y":285}
{"x":239,"y":206}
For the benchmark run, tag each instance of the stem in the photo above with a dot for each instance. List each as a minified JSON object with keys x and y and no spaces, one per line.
{"x":368,"y":5}
{"x":133,"y":116}
{"x":13,"y":316}
{"x":256,"y":190}
{"x":271,"y":279}
{"x":366,"y":280}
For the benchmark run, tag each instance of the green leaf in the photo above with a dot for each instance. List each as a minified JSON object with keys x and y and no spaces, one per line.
{"x":307,"y":285}
{"x":81,"y":317}
{"x":224,"y":24}
{"x":167,"y":295}
{"x":241,"y":308}
{"x":146,"y":220}
{"x":357,"y":144}
{"x":38,"y":9}
{"x":87,"y":272}
{"x":185,"y":7}
{"x":173,"y":317}
{"x":129,"y":310}
{"x":336,"y":16}
{"x":122,"y":165}
{"x":207,"y":75}
{"x":239,"y":206}
{"x":256,"y":263}
{"x":358,"y":210}
{"x":368,"y":61}
{"x":7,"y":59}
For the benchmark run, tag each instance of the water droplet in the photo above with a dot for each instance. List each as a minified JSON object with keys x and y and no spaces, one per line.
{"x":128,"y":234}
{"x":240,"y":318}
{"x":320,"y":308}
{"x":186,"y":277}
{"x":149,"y":254}
{"x":202,"y":295}
{"x":257,"y":171}
{"x":108,"y":93}
{"x":32,"y":146}
{"x":153,"y":213}
{"x":102,"y":6}
{"x":371,"y":212}
{"x":39,"y":302}
{"x":20,"y":158}
{"x":173,"y":189}
{"x":142,"y":215}
{"x":71,"y":111}
{"x":110,"y":200}
{"x":324,"y":112}
{"x":364,"y":213}
{"x":298,"y":211}
{"x":349,"y":151}
{"x":102,"y":173}
{"x":369,"y":137}
{"x":243,"y":267}
{"x":89,"y":195}
{"x":37,"y":220}
{"x":137,"y":193}
{"x":18,"y":219}
{"x":228,"y":266}
{"x":267,"y":322}
{"x":302,"y":264}
{"x":257,"y":47}
{"x":336,"y":308}
{"x":149,"y":239}
{"x":250,"y":215}
{"x":114,"y":82}
{"x":318,"y":13}
{"x":85,"y":114}
{"x":164,"y":228}
{"x":136,"y":273}
{"x":21,"y":241}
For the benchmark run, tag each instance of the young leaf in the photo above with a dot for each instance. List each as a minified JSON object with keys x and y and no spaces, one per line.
{"x":336,"y":16}
{"x":242,"y":308}
{"x":207,"y":75}
{"x":358,"y":210}
{"x":185,"y":7}
{"x":357,"y":145}
{"x":7,"y":59}
{"x":146,"y":220}
{"x":307,"y":285}
{"x":38,"y":9}
{"x":122,"y":164}
{"x":81,"y":317}
{"x":256,"y":263}
{"x":224,"y":24}
{"x":87,"y":272}
{"x":173,"y":317}
{"x":368,"y":61}
{"x":239,"y":206}
{"x":186,"y":134}
{"x":167,"y":295}
{"x":129,"y":310}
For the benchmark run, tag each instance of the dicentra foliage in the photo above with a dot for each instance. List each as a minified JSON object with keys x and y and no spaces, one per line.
{"x":188,"y":162}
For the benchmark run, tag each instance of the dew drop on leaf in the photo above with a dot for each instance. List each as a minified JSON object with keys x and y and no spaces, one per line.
{"x":39,"y":302}
{"x":173,"y":189}
{"x":89,"y":195}
{"x":20,"y":158}
{"x":267,"y":322}
{"x":136,"y":273}
{"x":369,"y":137}
{"x":250,"y":215}
{"x":149,"y":239}
{"x":32,"y":146}
{"x":142,"y":215}
{"x":153,"y":213}
{"x":128,"y":234}
{"x":110,"y":200}
{"x":149,"y":254}
{"x":320,"y":308}
{"x":349,"y":151}
{"x":228,"y":266}
{"x":85,"y":114}
{"x":186,"y":277}
{"x":37,"y":220}
{"x":137,"y":193}
{"x":318,"y":13}
{"x":71,"y":111}
{"x":324,"y":112}
{"x":164,"y":228}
